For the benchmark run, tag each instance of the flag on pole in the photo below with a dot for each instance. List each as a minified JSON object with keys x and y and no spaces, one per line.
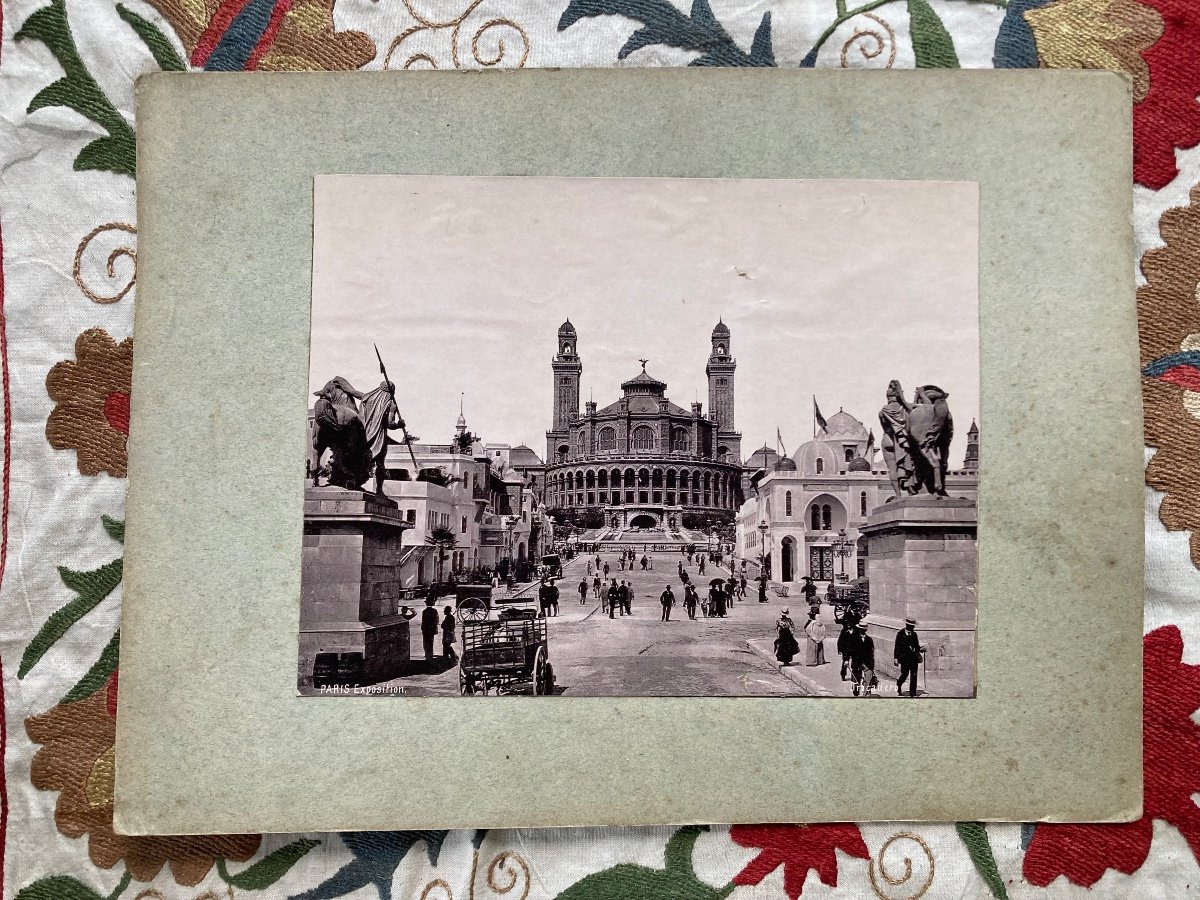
{"x":817,"y":417}
{"x":870,"y":444}
{"x":779,"y":448}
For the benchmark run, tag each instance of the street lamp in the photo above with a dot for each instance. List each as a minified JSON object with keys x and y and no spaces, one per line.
{"x":842,"y":547}
{"x":762,"y":561}
{"x":509,"y":525}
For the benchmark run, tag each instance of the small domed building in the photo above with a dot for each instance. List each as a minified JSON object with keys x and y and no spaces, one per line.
{"x":814,"y":502}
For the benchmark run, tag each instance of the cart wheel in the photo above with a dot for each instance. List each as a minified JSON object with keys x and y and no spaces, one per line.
{"x":539,"y":672}
{"x":472,"y":609}
{"x":548,"y":689}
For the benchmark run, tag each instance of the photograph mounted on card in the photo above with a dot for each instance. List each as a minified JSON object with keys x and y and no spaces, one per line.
{"x":504,"y":331}
{"x":646,"y":547}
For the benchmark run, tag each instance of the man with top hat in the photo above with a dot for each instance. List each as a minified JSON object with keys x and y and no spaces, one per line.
{"x":908,"y":656}
{"x":862,"y":666}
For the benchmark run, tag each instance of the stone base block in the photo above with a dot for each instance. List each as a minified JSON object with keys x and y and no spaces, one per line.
{"x":384,"y":646}
{"x":350,"y":585}
{"x":922,"y":562}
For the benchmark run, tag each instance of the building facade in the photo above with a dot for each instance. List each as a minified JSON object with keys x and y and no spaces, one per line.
{"x":814,"y":503}
{"x":642,"y":460}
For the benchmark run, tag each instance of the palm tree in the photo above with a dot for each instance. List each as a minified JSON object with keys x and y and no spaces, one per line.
{"x":443,"y":538}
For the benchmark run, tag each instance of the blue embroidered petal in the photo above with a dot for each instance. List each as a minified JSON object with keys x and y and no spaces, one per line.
{"x":1015,"y":47}
{"x":377,"y":854}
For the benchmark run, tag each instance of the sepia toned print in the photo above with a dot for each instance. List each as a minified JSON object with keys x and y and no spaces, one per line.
{"x":549,"y":438}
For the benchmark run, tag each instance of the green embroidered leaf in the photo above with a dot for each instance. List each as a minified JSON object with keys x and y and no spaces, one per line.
{"x":160,"y":48}
{"x":92,"y":587}
{"x":931,"y":42}
{"x":114,"y":527}
{"x":269,"y":869}
{"x":57,"y":887}
{"x":98,"y":674}
{"x":677,"y":881}
{"x":77,"y":90}
{"x":662,"y":23}
{"x":975,"y":836}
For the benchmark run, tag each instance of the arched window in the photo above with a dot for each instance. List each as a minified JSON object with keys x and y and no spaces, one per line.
{"x":849,"y":454}
{"x":787,"y":503}
{"x":590,"y":479}
{"x":816,"y":518}
{"x":820,"y":465}
{"x":643,"y":438}
{"x":862,"y":503}
{"x":681,"y":441}
{"x":608,"y":438}
{"x":602,"y":478}
{"x":826,"y":517}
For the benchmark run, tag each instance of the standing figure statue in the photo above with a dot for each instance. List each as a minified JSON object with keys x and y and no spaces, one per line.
{"x":380,"y":415}
{"x":339,"y":427}
{"x":930,"y":430}
{"x":893,"y":419}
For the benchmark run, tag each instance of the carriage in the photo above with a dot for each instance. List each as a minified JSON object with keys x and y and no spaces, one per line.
{"x":506,"y":652}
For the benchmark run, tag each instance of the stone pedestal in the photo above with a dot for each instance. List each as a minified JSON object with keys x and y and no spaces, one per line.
{"x":349,"y":584}
{"x":922,"y":562}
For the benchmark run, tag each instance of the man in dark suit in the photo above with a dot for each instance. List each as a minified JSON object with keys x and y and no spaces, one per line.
{"x":908,"y":656}
{"x":862,"y":666}
{"x":431,"y":624}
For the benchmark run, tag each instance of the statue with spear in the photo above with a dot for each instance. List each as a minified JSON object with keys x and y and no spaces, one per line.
{"x":381,"y":415}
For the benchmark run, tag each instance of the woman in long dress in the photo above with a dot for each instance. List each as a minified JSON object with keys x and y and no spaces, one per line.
{"x":785,"y":643}
{"x":815,"y":629}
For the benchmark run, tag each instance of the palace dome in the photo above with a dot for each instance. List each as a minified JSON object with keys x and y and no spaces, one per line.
{"x":644,"y":383}
{"x":858,"y":464}
{"x":785,"y":464}
{"x":843,"y":426}
{"x":721,"y":330}
{"x":566,"y":328}
{"x":809,"y":453}
{"x":762,"y":458}
{"x":523,"y":456}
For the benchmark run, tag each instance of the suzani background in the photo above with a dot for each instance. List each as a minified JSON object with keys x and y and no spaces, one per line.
{"x":69,"y":237}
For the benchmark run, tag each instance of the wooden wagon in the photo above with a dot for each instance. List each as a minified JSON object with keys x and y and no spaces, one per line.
{"x":504,"y":653}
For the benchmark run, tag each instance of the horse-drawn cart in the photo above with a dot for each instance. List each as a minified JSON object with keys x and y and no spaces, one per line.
{"x":504,"y":653}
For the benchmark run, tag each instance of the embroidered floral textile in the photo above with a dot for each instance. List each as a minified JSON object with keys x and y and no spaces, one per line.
{"x":76,"y":760}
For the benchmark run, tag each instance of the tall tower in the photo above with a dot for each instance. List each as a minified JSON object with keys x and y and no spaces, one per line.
{"x":720,"y":369}
{"x":971,"y":462}
{"x":567,"y":371}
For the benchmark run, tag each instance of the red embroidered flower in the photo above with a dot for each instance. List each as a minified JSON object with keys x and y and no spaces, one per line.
{"x":1171,"y":773}
{"x":797,"y":848}
{"x":1169,"y":116}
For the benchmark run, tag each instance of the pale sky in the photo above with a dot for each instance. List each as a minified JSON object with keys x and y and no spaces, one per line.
{"x":830,"y":288}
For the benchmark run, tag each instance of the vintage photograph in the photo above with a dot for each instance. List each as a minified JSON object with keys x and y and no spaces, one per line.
{"x":604,"y":437}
